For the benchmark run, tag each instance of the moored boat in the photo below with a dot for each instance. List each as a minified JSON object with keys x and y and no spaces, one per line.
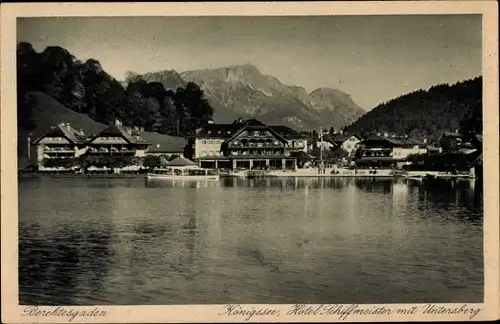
{"x":173,"y":176}
{"x":182,"y":169}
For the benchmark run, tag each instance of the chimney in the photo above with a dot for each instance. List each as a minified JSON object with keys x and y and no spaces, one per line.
{"x":81,"y":131}
{"x":210,"y":122}
{"x":425,"y":140}
{"x":118,"y":122}
{"x":141,"y":128}
{"x":386,"y":134}
{"x":378,"y":134}
{"x":457,"y":131}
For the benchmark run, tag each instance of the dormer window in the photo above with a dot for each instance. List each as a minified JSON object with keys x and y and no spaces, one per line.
{"x":219,"y":132}
{"x":209,"y":132}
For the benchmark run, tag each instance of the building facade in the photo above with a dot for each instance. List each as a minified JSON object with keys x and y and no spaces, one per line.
{"x":60,"y":142}
{"x":347,"y":142}
{"x":386,"y":151}
{"x":65,"y":142}
{"x":117,"y":140}
{"x":247,"y":144}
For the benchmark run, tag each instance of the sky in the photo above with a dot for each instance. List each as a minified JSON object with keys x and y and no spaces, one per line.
{"x":373,"y":58}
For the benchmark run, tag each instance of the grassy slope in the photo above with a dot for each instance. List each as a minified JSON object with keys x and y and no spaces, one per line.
{"x":49,"y":112}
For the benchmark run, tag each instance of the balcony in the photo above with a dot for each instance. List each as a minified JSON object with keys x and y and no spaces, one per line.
{"x":48,"y":149}
{"x":255,"y":153}
{"x":261,"y":143}
{"x":377,"y":153}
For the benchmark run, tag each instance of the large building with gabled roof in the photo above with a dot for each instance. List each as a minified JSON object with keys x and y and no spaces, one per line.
{"x":117,"y":140}
{"x":65,"y":142}
{"x":60,"y":142}
{"x":247,"y":144}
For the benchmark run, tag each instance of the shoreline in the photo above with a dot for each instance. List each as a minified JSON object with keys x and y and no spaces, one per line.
{"x":111,"y":176}
{"x":143,"y":176}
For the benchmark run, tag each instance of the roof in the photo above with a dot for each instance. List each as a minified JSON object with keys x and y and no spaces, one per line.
{"x":228,"y":130}
{"x":390,"y":140}
{"x":161,"y":143}
{"x":217,"y":130}
{"x":180,"y":161}
{"x":254,"y":124}
{"x":64,"y":130}
{"x":395,"y":141}
{"x":341,"y":138}
{"x":120,"y":130}
{"x":414,"y":141}
{"x":163,"y":161}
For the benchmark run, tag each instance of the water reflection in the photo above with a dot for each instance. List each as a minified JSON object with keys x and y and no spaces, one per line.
{"x":287,"y":183}
{"x":375,"y":185}
{"x":152,"y":183}
{"x":53,"y":269}
{"x":249,"y":241}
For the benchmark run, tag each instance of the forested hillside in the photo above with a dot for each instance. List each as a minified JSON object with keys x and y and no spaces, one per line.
{"x":441,"y":108}
{"x":86,"y":88}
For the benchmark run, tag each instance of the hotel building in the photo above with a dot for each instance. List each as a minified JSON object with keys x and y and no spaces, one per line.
{"x":65,"y":142}
{"x":60,"y":142}
{"x":117,"y":140}
{"x":247,"y":144}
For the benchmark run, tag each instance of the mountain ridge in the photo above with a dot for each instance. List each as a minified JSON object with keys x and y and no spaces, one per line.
{"x":243,"y":91}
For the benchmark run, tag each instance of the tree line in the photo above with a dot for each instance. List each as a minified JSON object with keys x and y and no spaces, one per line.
{"x":426,"y":113}
{"x":86,"y":88}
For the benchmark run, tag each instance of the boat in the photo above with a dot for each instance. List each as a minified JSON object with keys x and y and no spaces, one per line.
{"x":430,"y":175}
{"x":183,"y":176}
{"x":181,"y":169}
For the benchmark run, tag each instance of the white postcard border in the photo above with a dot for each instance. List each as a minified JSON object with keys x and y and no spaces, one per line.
{"x":13,"y":313}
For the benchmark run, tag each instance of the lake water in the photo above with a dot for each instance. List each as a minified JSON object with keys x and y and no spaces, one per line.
{"x":129,"y":241}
